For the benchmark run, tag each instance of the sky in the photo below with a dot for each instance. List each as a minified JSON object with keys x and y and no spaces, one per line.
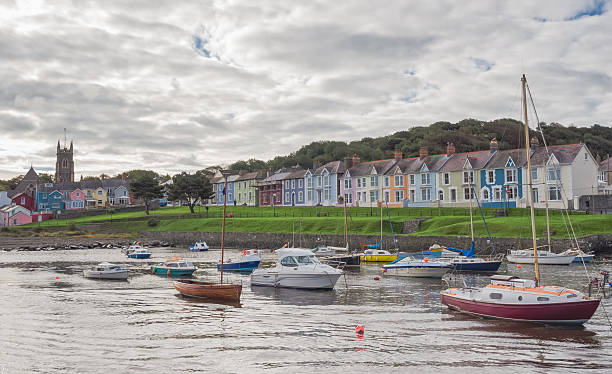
{"x":181,"y":85}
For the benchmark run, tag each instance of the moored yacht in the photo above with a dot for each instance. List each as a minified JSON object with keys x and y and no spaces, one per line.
{"x":521,"y":256}
{"x":297,"y":268}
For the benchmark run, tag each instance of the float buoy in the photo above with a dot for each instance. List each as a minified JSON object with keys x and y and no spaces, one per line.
{"x":376,"y":278}
{"x":518,"y":266}
{"x":383,"y":270}
{"x":169,"y":272}
{"x":56,"y":277}
{"x":426,"y":259}
{"x":359,"y":330}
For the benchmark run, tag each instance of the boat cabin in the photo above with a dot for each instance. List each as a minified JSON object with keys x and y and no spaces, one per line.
{"x":512,"y":281}
{"x":375,"y":252}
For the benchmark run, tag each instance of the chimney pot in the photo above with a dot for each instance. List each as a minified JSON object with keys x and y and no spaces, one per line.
{"x":397,"y":155}
{"x":450,"y":149}
{"x":494,"y":145}
{"x":356,"y":159}
{"x":423,"y":152}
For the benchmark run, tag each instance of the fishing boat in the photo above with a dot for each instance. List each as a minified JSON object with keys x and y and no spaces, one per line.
{"x":297,"y":268}
{"x":211,"y":290}
{"x":377,"y":255}
{"x":198,"y":247}
{"x":248,"y":261}
{"x":416,"y":268}
{"x":138,"y":251}
{"x":512,"y":298}
{"x":174,"y":266}
{"x":106,"y":270}
{"x":523,"y":256}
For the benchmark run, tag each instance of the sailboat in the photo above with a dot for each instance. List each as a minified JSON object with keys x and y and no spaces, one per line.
{"x":374,"y":252}
{"x":348,"y":259}
{"x":211,"y":290}
{"x":512,"y":298}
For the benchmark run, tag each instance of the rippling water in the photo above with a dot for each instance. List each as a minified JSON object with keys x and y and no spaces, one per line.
{"x":73,"y":324}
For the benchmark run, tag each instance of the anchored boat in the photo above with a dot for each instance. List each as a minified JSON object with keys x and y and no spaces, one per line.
{"x":106,"y":270}
{"x":198,"y":247}
{"x":416,"y":268}
{"x":174,"y":266}
{"x":249,"y":260}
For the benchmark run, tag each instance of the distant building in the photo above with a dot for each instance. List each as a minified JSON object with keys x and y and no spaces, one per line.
{"x":14,"y":215}
{"x":64,"y":166}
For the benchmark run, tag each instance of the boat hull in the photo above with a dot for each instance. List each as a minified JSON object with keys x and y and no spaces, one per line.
{"x":487,"y":266}
{"x":417,"y":271}
{"x":378,"y":258}
{"x":115,"y":275}
{"x":354,"y":260}
{"x":585,"y":258}
{"x":139,"y":256}
{"x":574,"y":313}
{"x":544,"y":260}
{"x":303,"y":281}
{"x":246,"y":266}
{"x":173,"y":272}
{"x":209,"y":290}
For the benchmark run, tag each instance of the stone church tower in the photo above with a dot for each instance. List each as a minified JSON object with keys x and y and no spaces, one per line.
{"x":64,"y":166}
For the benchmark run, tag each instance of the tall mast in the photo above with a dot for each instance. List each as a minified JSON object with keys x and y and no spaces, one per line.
{"x":346,"y":238}
{"x":529,"y":184}
{"x":223,"y":227}
{"x":471,"y":218}
{"x":381,"y":211}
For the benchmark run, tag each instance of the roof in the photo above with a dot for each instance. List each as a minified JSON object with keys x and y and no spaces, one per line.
{"x":433,"y":162}
{"x":249,"y":176}
{"x":457,"y":161}
{"x":281,"y":174}
{"x":365,"y":168}
{"x":606,"y":165}
{"x":296,"y":174}
{"x":500,"y":158}
{"x":31,"y":177}
{"x":333,"y":167}
{"x":565,"y":154}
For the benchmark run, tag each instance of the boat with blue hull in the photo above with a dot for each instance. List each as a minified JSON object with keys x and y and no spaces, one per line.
{"x":249,"y":260}
{"x":174,"y":267}
{"x":138,"y":252}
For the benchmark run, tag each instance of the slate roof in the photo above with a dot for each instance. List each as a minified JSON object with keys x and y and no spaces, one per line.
{"x":500,"y":158}
{"x":31,"y":177}
{"x":296,"y":174}
{"x":249,"y":176}
{"x":456,"y":161}
{"x":565,"y":154}
{"x":334,"y":167}
{"x":365,"y":168}
{"x":433,"y":162}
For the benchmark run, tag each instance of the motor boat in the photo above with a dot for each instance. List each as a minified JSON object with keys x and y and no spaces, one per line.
{"x":512,"y":298}
{"x":249,"y":260}
{"x":377,"y":255}
{"x":174,"y":266}
{"x":138,"y":251}
{"x":198,"y":247}
{"x":521,"y":256}
{"x":106,"y":270}
{"x":475,"y":264}
{"x":322,"y":250}
{"x":417,"y":268}
{"x":297,"y":268}
{"x":434,"y":251}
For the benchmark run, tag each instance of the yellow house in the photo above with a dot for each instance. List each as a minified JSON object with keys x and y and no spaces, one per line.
{"x":95,"y":197}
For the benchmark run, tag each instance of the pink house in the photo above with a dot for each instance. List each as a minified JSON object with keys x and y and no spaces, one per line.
{"x":77,"y":199}
{"x":15,"y":215}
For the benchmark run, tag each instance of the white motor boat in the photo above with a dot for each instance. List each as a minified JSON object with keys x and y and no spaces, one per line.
{"x":322,"y":250}
{"x":198,"y":247}
{"x":522,"y":256}
{"x":106,"y":271}
{"x":297,"y":268}
{"x":417,"y":268}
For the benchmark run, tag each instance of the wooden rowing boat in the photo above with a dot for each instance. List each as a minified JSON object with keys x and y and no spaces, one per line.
{"x":208,"y":290}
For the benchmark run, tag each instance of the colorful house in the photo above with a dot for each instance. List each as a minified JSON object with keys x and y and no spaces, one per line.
{"x":48,"y":198}
{"x":501,"y":179}
{"x":293,"y":189}
{"x":395,"y":182}
{"x":362,"y":183}
{"x":4,"y":199}
{"x":271,"y":188}
{"x":24,"y":200}
{"x":230,"y":190}
{"x":14,"y":215}
{"x":76,"y":199}
{"x":422,"y":179}
{"x":95,"y":195}
{"x":322,"y":183}
{"x":244,"y":188}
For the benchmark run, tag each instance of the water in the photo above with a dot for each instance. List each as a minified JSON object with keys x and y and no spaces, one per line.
{"x":73,"y":324}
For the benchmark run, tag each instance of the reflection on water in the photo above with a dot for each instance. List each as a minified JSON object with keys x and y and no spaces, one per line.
{"x":74,"y":324}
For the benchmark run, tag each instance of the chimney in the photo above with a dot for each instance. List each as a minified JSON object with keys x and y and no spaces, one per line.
{"x":242,"y":172}
{"x":356,"y":159}
{"x":123,"y":176}
{"x":348,"y":163}
{"x":397,"y":155}
{"x":102,"y":176}
{"x":315,"y":164}
{"x":494,"y":146}
{"x":450,"y":149}
{"x":535,"y":142}
{"x":423,"y":152}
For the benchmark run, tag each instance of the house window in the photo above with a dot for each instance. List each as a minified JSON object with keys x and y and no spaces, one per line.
{"x":44,"y":196}
{"x":387,"y":181}
{"x":425,"y":178}
{"x":512,"y":192}
{"x":511,"y":176}
{"x":425,"y":193}
{"x":300,"y":183}
{"x":466,"y":193}
{"x":372,"y":197}
{"x":363,"y":182}
{"x":554,"y":174}
{"x":554,"y":193}
{"x":485,"y":194}
{"x":326,"y":195}
{"x":387,"y":196}
{"x":347,"y":184}
{"x":497,"y":195}
{"x":534,"y":174}
{"x":326,"y":180}
{"x":310,"y":182}
{"x":319,"y":181}
{"x":300,"y":196}
{"x":468,"y":177}
{"x":286,"y":184}
{"x":441,"y":195}
{"x":358,"y":196}
{"x":348,"y":198}
{"x":535,"y":195}
{"x":287,"y":197}
{"x":23,"y":200}
{"x":374,"y":181}
{"x":99,"y":192}
{"x":309,"y":195}
{"x":412,"y":195}
{"x":399,"y":195}
{"x":411,"y":179}
{"x":446,"y":178}
{"x":358,"y":182}
{"x":399,"y":181}
{"x":586,"y":156}
{"x":490,"y":176}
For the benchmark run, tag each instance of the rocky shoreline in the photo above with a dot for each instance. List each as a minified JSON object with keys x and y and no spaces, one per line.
{"x":62,"y":244}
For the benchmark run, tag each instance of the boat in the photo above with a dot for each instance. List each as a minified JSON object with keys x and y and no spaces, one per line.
{"x":297,"y":268}
{"x":512,"y":298}
{"x":198,"y":247}
{"x":106,"y":270}
{"x":580,"y":255}
{"x":342,"y":261}
{"x":249,"y":260}
{"x":138,"y":251}
{"x":417,"y":268}
{"x":522,"y":256}
{"x":208,"y":290}
{"x":322,"y":250}
{"x":473,"y":264}
{"x":211,"y":290}
{"x":434,"y":251}
{"x":377,"y":255}
{"x":174,"y":266}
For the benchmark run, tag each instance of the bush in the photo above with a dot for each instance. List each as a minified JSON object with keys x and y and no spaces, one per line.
{"x":152,"y":222}
{"x":71,"y":226}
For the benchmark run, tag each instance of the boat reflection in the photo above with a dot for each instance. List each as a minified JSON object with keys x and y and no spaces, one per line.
{"x":293,"y":296}
{"x":196,"y":301}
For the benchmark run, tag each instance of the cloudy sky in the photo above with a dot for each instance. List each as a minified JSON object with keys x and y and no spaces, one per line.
{"x":182,"y":85}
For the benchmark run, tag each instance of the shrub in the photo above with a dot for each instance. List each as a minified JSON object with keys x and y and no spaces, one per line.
{"x":152,"y":222}
{"x":71,"y":226}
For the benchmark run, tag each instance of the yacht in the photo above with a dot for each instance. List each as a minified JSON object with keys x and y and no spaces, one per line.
{"x":417,"y":268}
{"x":521,"y":256}
{"x":297,"y":268}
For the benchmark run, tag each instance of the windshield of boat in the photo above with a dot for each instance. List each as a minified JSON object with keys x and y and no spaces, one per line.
{"x":288,"y":261}
{"x":307,"y":259}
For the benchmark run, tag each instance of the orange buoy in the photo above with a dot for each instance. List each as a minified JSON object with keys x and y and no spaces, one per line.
{"x":383,"y":270}
{"x":360,"y":330}
{"x":426,"y":259}
{"x":518,"y":266}
{"x":244,"y":252}
{"x":376,"y":278}
{"x":169,"y":272}
{"x":487,"y":259}
{"x":56,"y":277}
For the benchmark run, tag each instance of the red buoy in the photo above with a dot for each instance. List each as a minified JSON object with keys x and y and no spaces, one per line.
{"x":56,"y":277}
{"x":376,"y":278}
{"x":360,"y":330}
{"x":426,"y":259}
{"x":169,"y":272}
{"x":518,"y":266}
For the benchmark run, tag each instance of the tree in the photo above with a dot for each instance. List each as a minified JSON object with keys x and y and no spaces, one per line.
{"x":147,"y":188}
{"x":136,"y":174}
{"x":45,"y":178}
{"x":191,"y":188}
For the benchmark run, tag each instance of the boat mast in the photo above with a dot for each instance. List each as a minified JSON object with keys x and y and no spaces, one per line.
{"x":346,"y":238}
{"x":471,"y":217}
{"x":225,"y":174}
{"x":381,"y":216}
{"x":529,"y":184}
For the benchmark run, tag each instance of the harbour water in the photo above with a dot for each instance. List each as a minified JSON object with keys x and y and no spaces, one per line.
{"x":52,"y":320}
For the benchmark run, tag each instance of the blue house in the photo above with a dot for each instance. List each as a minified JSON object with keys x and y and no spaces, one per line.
{"x":230,"y":189}
{"x":501,"y":180}
{"x":293,"y":189}
{"x":422,"y":178}
{"x":48,"y":198}
{"x":323,"y":183}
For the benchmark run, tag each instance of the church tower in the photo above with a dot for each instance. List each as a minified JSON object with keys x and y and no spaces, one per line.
{"x":64,"y":166}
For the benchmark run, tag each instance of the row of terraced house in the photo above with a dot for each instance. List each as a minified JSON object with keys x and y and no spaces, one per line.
{"x":32,"y":201}
{"x":492,"y":178}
